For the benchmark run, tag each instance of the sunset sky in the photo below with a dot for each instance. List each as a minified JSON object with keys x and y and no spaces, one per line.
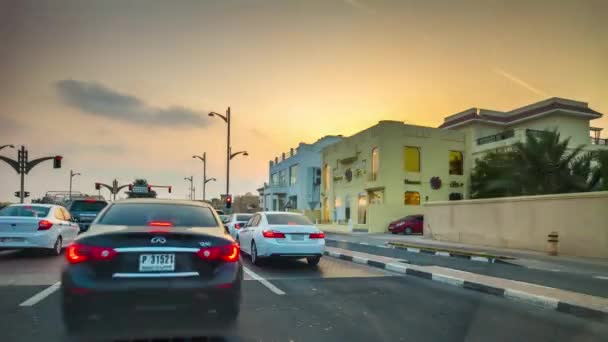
{"x":122,"y":88}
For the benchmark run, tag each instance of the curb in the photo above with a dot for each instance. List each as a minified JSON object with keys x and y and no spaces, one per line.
{"x":515,"y":295}
{"x":473,"y":256}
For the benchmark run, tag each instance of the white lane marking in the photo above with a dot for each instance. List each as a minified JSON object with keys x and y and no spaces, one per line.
{"x":363,"y":243}
{"x":442,"y":253}
{"x":413,"y":250}
{"x":33,"y":300}
{"x":382,"y":246}
{"x":601,"y":277}
{"x":263,"y":281}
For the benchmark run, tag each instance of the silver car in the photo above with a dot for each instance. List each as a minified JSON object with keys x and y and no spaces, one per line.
{"x":39,"y":226}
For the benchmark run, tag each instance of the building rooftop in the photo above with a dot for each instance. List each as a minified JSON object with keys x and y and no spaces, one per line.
{"x":520,"y":114}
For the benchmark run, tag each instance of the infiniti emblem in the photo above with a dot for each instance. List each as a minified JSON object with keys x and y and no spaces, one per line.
{"x":158,"y":239}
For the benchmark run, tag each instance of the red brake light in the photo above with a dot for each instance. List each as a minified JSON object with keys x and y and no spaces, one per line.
{"x":229,"y":253}
{"x":90,"y":200}
{"x":77,"y":253}
{"x":271,"y":234}
{"x":44,"y":225}
{"x":320,"y":235}
{"x":160,"y":224}
{"x":238,"y":225}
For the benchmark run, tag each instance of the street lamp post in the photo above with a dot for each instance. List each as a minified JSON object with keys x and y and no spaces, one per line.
{"x":204,"y":160}
{"x":191,"y":180}
{"x":72,"y":174}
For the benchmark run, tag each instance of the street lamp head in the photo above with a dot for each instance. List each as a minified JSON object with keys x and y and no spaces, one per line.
{"x":11,"y":146}
{"x":245,"y":153}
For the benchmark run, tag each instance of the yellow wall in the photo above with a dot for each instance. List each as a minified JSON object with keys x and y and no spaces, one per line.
{"x":580,"y":219}
{"x":391,"y":137}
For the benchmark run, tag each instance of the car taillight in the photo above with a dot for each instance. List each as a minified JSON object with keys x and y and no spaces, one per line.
{"x":237,"y":226}
{"x":160,"y":224}
{"x":228,"y":253}
{"x":44,"y":225}
{"x":77,"y":253}
{"x":271,"y":234}
{"x":320,"y":235}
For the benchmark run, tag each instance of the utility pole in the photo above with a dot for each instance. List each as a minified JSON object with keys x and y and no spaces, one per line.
{"x":191,"y":180}
{"x":23,"y":166}
{"x":72,"y":174}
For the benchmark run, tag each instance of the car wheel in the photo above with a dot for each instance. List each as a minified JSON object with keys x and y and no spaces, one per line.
{"x":313,"y":261}
{"x":408,"y":230}
{"x":254,"y":254}
{"x":57,"y":247}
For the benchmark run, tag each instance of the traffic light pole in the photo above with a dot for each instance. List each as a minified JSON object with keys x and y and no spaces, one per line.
{"x":22,"y":166}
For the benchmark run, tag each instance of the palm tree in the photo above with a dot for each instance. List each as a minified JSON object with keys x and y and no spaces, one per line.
{"x":544,"y":163}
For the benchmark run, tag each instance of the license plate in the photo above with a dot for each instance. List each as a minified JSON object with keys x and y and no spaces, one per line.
{"x":11,"y":239}
{"x":297,"y":237}
{"x":156,"y":262}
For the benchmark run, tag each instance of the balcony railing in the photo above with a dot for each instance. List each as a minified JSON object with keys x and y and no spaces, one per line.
{"x":599,"y":141}
{"x":496,"y":137}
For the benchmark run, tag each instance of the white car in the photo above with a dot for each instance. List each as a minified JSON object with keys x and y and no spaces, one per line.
{"x":282,"y":235}
{"x":236,"y":222}
{"x":42,"y":226}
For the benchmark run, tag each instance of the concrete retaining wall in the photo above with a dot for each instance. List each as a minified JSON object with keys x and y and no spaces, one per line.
{"x":580,"y":219}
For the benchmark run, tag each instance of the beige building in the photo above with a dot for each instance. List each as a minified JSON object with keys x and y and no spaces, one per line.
{"x":391,"y":170}
{"x":387,"y":171}
{"x":489,"y":130}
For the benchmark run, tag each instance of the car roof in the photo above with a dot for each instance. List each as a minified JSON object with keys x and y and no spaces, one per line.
{"x":44,"y":205}
{"x":281,"y":212}
{"x":162,"y":201}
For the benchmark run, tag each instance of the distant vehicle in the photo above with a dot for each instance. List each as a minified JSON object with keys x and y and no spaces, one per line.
{"x":224,"y":218}
{"x":142,"y":260}
{"x":411,"y":224}
{"x":281,"y":235}
{"x":38,"y":226}
{"x":236,"y":222}
{"x":219,"y":212}
{"x":85,"y":211}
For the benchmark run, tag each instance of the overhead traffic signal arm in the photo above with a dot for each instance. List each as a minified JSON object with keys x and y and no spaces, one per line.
{"x":56,"y":163}
{"x":13,"y":163}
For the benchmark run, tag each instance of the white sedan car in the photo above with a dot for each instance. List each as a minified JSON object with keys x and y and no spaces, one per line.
{"x":236,"y":222}
{"x":283,"y":235}
{"x":41,"y":226}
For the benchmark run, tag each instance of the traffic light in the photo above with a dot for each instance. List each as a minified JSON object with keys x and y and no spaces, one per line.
{"x":97,"y":186}
{"x":149,"y":188}
{"x":130,"y":187}
{"x":228,"y":201}
{"x":170,"y":188}
{"x":25,"y":194}
{"x":57,"y":162}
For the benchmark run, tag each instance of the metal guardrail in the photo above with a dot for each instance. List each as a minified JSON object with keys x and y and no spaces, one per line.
{"x":496,"y":137}
{"x":599,"y":141}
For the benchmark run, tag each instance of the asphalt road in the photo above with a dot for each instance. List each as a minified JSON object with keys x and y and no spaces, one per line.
{"x":336,"y":301}
{"x":562,"y":280}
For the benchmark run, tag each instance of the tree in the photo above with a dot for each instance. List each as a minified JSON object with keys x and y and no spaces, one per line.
{"x":543,"y":164}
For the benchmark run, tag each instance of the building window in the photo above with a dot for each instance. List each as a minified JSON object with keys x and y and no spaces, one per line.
{"x":326,"y":177}
{"x":456,"y":163}
{"x":282,"y":177}
{"x":274,"y":180}
{"x":376,"y":197}
{"x":375,"y":163}
{"x":411,"y":198}
{"x":411,"y":158}
{"x":293,"y":174}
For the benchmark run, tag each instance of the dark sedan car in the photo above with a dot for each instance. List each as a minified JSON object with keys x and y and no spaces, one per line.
{"x":84,"y":211}
{"x":154,"y":264}
{"x":411,"y":224}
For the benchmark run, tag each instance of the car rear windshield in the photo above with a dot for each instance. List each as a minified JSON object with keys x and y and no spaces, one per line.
{"x":25,"y":211}
{"x":94,"y":206}
{"x":288,"y":219}
{"x":143,"y":214}
{"x":243,"y":218}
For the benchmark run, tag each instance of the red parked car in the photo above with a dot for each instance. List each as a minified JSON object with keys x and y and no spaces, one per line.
{"x":411,"y":224}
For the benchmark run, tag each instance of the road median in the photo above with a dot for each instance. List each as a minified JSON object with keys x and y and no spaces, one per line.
{"x":452,"y":252}
{"x":574,"y":303}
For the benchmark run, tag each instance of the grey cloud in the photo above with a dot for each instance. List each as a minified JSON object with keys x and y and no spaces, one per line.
{"x":96,"y":99}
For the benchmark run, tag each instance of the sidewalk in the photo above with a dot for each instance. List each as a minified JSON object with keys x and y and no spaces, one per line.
{"x":529,"y":259}
{"x":564,"y":301}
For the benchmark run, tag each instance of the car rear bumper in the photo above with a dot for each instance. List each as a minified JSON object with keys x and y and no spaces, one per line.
{"x":275,"y":249}
{"x":31,"y":240}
